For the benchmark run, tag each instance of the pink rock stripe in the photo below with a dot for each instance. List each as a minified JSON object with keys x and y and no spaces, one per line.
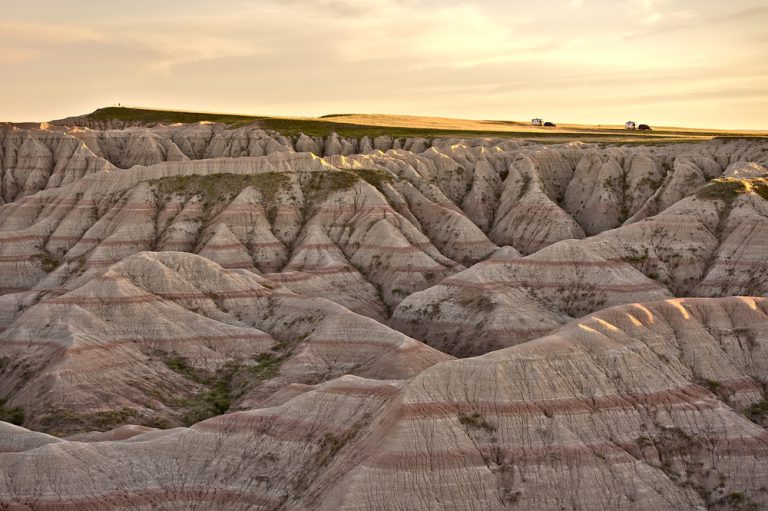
{"x":504,"y":284}
{"x":149,"y":497}
{"x":608,"y":452}
{"x":690,"y":396}
{"x":121,"y":343}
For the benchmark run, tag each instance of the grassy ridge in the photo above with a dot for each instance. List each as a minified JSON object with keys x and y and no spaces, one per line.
{"x":311,"y":127}
{"x":164,"y":116}
{"x":728,"y":188}
{"x":321,"y":127}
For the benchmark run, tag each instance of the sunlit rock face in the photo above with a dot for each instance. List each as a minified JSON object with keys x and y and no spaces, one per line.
{"x":198,"y":316}
{"x":626,"y":394}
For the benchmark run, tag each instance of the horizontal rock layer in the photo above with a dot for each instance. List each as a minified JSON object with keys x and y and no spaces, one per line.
{"x":617,"y":410}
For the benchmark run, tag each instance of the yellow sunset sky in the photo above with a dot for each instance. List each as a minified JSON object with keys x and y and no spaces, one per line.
{"x":693,"y":63}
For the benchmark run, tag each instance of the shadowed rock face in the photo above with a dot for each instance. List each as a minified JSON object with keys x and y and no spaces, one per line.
{"x":197,"y":317}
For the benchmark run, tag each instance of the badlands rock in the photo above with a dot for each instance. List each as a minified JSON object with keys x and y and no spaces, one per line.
{"x":88,"y":358}
{"x":712,"y":244}
{"x":248,"y":218}
{"x":550,"y":193}
{"x":507,"y":299}
{"x":152,"y":277}
{"x":33,"y":160}
{"x":608,"y":412}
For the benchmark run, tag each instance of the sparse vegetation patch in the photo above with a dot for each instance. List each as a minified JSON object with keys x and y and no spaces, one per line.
{"x":758,"y":413}
{"x":48,"y":262}
{"x":476,"y":421}
{"x":221,"y":187}
{"x":375,"y":177}
{"x":727,"y":189}
{"x":320,"y":185}
{"x":14,"y":415}
{"x":222,"y":387}
{"x":59,"y":421}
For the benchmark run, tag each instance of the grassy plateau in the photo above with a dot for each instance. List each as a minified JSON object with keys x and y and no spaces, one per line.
{"x":401,"y":126}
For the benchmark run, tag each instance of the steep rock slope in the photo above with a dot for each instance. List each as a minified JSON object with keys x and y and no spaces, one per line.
{"x":513,"y":191}
{"x":290,"y":212}
{"x":507,"y":299}
{"x":216,"y":338}
{"x":608,"y":412}
{"x":711,"y":244}
{"x":449,"y":206}
{"x":33,"y":160}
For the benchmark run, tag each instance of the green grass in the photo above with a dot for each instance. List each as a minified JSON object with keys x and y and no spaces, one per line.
{"x":221,"y":388}
{"x":727,"y":189}
{"x":322,"y":128}
{"x":267,"y":368}
{"x":58,"y":421}
{"x":220,"y":187}
{"x":13,"y":415}
{"x":164,"y":116}
{"x":216,"y":396}
{"x":476,"y":421}
{"x":758,"y":413}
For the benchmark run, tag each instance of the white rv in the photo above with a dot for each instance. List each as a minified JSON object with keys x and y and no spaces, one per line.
{"x":630,"y":125}
{"x":537,"y":122}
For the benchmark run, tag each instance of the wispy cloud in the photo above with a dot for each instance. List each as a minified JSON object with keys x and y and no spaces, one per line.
{"x":477,"y":58}
{"x":9,"y":55}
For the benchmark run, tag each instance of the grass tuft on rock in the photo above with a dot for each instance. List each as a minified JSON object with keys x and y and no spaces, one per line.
{"x":375,"y":177}
{"x":221,"y":187}
{"x":727,"y":189}
{"x":222,"y":387}
{"x":13,"y":415}
{"x":476,"y":421}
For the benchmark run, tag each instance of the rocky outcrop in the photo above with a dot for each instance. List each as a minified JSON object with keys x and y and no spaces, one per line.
{"x":644,"y":397}
{"x":34,"y":160}
{"x":702,"y":246}
{"x":633,"y":407}
{"x":89,"y":358}
{"x":507,"y":299}
{"x":227,"y":317}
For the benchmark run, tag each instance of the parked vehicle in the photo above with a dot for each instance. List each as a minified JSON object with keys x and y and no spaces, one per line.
{"x":550,"y":124}
{"x":644,"y":127}
{"x":536,"y":122}
{"x":630,"y":125}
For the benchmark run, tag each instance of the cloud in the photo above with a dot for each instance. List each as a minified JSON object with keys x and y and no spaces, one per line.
{"x":343,"y":8}
{"x":649,"y":12}
{"x":17,"y":55}
{"x":477,"y":58}
{"x":750,"y":13}
{"x":46,"y":33}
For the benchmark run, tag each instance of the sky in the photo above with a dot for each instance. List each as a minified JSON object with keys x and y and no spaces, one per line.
{"x":692,"y":63}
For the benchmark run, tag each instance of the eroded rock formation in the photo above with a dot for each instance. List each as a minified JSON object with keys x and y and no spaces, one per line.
{"x":202,"y":316}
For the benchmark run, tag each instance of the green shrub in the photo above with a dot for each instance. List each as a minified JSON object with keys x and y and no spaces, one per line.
{"x":220,"y":187}
{"x":727,"y":189}
{"x":13,"y":415}
{"x":476,"y":421}
{"x":758,"y":413}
